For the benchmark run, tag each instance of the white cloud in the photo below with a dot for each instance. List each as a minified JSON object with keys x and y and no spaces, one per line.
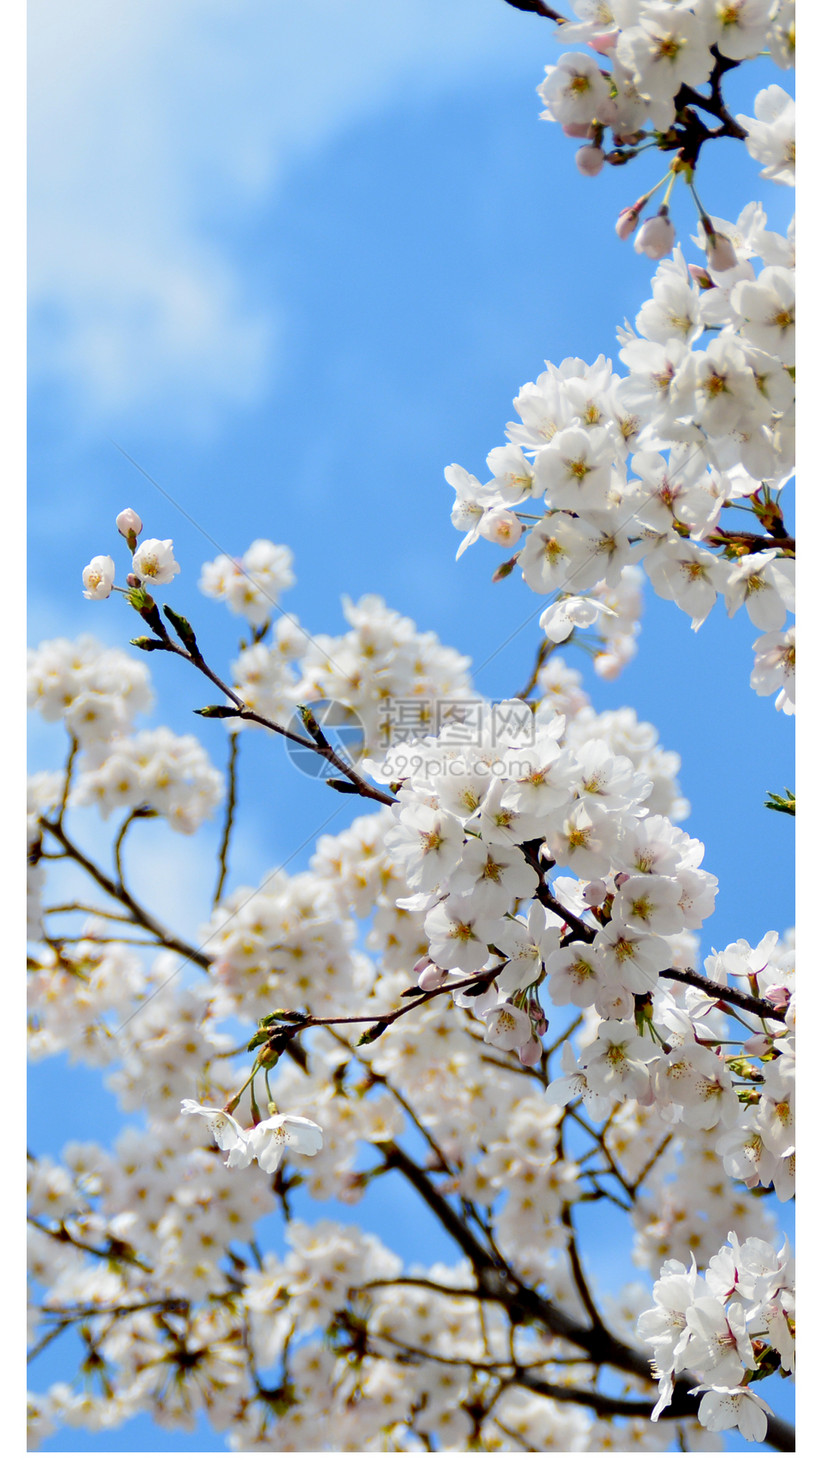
{"x":155,"y":126}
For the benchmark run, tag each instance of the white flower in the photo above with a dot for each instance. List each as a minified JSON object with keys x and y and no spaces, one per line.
{"x":269,"y":1139}
{"x":98,"y":578}
{"x":766,"y":308}
{"x":559,"y":619}
{"x":458,"y":934}
{"x":556,"y":554}
{"x":226,"y":1132}
{"x":763,"y":584}
{"x":665,"y":49}
{"x":734,"y":1407}
{"x":664,"y":1326}
{"x":616,"y":1063}
{"x":574,"y":1085}
{"x":697,"y":1079}
{"x":648,"y":902}
{"x":741,"y":959}
{"x":576,"y":468}
{"x":493,"y":875}
{"x":514,"y":478}
{"x":154,"y":561}
{"x":473,"y":501}
{"x":265,"y":1143}
{"x":506,"y":1026}
{"x":426,"y":843}
{"x":719,"y":1344}
{"x":742,"y":25}
{"x":771,"y":134}
{"x":682,"y":572}
{"x":252,"y":585}
{"x":525,"y":947}
{"x":575,"y":973}
{"x":632,"y":959}
{"x":775,"y":664}
{"x":576,"y":91}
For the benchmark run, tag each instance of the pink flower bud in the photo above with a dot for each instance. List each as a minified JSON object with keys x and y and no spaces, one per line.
{"x":700,"y":276}
{"x":720,"y":254}
{"x":594,"y":894}
{"x":656,"y":237}
{"x":506,"y":569}
{"x":590,"y":160}
{"x":577,"y":130}
{"x":432,"y":977}
{"x":604,"y":43}
{"x":129,"y":523}
{"x":530,"y":1052}
{"x":628,"y":219}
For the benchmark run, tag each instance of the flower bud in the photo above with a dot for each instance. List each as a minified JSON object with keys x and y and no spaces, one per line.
{"x":432,"y":977}
{"x":656,"y":237}
{"x":530,"y":1052}
{"x":594,"y":894}
{"x":129,"y":523}
{"x":506,"y":569}
{"x":577,"y":130}
{"x":605,"y":43}
{"x":590,"y":160}
{"x":628,"y":218}
{"x":720,"y":254}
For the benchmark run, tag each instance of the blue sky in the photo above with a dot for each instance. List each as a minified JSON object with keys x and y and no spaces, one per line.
{"x":295,"y":260}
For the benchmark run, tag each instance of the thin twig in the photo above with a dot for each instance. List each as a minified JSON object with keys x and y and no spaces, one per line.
{"x":230,"y":813}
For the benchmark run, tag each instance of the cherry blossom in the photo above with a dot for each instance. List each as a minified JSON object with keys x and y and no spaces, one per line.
{"x":154,"y":562}
{"x":98,"y":578}
{"x":488,"y":986}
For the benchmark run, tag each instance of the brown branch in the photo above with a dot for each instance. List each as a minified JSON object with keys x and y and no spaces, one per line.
{"x":325,"y":751}
{"x":537,"y":7}
{"x":118,"y":891}
{"x":230,"y":812}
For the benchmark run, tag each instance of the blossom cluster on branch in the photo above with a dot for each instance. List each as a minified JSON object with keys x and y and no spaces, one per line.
{"x":488,"y":989}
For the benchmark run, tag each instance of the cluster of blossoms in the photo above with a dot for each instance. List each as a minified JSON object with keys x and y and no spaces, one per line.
{"x":469,"y":870}
{"x":98,"y":692}
{"x":643,"y":467}
{"x":182,"y":1322}
{"x":708,"y":1322}
{"x":646,"y":61}
{"x":265,"y":1142}
{"x":526,"y":864}
{"x":358,"y":676}
{"x":152,"y":562}
{"x":250,"y":586}
{"x":477,"y":830}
